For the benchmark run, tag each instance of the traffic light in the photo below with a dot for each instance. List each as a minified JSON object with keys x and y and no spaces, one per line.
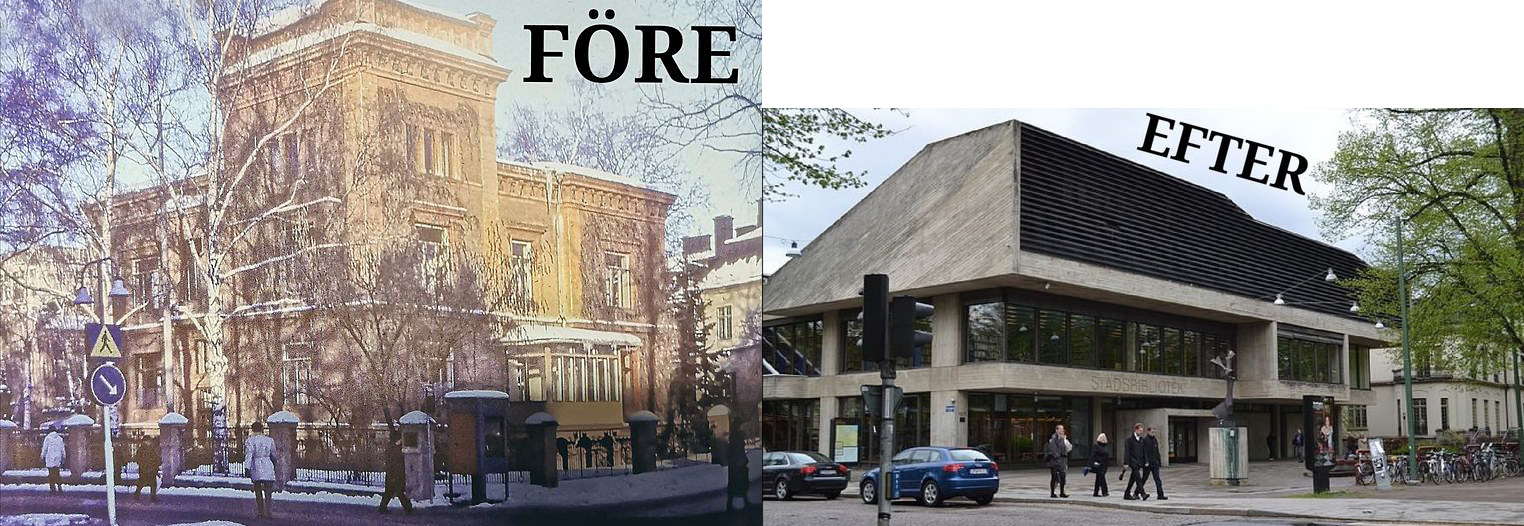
{"x":904,"y":313}
{"x":875,"y":317}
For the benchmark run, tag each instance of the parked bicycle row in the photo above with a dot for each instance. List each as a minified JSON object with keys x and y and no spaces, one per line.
{"x":1476,"y":463}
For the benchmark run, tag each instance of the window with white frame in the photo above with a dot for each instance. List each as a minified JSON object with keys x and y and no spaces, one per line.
{"x":522,"y":263}
{"x":433,"y":240}
{"x":724,"y":323}
{"x":296,"y":372}
{"x":446,"y":157}
{"x":617,"y":280}
{"x":147,"y":285}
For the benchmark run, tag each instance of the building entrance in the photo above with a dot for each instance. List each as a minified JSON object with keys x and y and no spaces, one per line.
{"x":1182,"y":440}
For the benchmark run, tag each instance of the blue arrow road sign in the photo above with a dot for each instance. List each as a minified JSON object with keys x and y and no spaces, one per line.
{"x":107,"y":384}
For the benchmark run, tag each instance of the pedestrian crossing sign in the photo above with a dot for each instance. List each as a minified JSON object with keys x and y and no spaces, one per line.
{"x":103,"y":344}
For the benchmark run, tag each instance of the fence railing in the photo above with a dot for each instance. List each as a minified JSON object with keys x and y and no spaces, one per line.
{"x":593,"y":453}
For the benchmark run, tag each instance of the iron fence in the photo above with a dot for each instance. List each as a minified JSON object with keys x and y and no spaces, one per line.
{"x":341,"y":455}
{"x":593,"y":453}
{"x":684,"y":443}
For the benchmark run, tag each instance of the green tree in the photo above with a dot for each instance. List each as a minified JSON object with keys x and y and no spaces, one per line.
{"x":1454,"y":180}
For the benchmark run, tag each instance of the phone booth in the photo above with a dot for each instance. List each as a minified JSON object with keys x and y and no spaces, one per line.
{"x":478,"y":436}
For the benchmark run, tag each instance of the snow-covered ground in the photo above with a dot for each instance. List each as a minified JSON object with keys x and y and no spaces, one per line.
{"x":47,"y":519}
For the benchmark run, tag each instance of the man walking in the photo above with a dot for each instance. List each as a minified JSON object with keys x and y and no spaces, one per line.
{"x":1296,"y":443}
{"x":1270,"y":444}
{"x":53,"y":458}
{"x":1136,"y":460}
{"x":148,"y":459}
{"x":1151,"y":448}
{"x":396,"y":476}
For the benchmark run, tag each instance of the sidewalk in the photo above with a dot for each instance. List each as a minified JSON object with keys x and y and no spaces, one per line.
{"x":1281,"y":489}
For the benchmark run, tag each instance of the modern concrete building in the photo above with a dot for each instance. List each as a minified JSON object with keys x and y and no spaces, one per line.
{"x":1070,"y":286}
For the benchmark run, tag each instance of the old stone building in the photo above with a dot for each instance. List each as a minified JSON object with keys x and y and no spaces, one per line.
{"x":370,"y":123}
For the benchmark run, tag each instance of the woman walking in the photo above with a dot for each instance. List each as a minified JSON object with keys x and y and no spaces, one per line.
{"x":53,"y":458}
{"x":259,"y":460}
{"x":1057,"y":456}
{"x":1100,"y":459}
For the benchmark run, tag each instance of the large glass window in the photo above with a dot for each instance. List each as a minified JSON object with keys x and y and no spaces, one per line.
{"x":1359,"y":367}
{"x":1021,"y":324}
{"x":852,"y":353}
{"x":1421,"y":416}
{"x":790,"y":425}
{"x":1171,"y":353}
{"x":1013,"y":428}
{"x":1081,"y":341}
{"x":1052,"y":337}
{"x":793,"y":348}
{"x":1113,"y":347}
{"x":1190,"y":352}
{"x":986,"y":332}
{"x":1305,"y":360}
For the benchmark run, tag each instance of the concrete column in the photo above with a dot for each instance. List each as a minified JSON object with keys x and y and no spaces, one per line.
{"x":283,"y":431}
{"x":77,"y":446}
{"x":949,"y":428}
{"x":1098,"y":425}
{"x":542,"y":449}
{"x":171,"y":447}
{"x":947,"y":333}
{"x":7,"y":428}
{"x":828,"y":413}
{"x":1344,"y":361}
{"x":418,"y":454}
{"x":642,"y":441}
{"x":1256,"y":352}
{"x":832,"y":333}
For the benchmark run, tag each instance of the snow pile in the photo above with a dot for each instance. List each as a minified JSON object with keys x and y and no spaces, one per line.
{"x":208,"y":523}
{"x":683,"y":485}
{"x":7,"y":424}
{"x":452,"y":395}
{"x":416,"y":417}
{"x":745,"y":270}
{"x":77,"y":420}
{"x":46,"y":519}
{"x":173,"y":419}
{"x":283,"y":417}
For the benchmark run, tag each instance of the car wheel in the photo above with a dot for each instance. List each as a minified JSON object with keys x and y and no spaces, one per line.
{"x":983,"y":499}
{"x":780,"y":489}
{"x":870,"y":492}
{"x":930,"y":496}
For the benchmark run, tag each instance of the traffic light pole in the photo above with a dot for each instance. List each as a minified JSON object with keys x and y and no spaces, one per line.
{"x":885,"y":440}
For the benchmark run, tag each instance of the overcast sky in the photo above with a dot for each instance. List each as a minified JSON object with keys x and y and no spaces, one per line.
{"x":1312,"y":133}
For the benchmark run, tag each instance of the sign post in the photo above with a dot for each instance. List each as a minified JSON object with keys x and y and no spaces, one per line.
{"x":107,"y":386}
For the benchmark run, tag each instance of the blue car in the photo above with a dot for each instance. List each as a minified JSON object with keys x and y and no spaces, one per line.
{"x":934,"y":474}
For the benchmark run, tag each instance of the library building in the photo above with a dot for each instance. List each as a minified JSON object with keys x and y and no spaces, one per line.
{"x":1070,"y":287}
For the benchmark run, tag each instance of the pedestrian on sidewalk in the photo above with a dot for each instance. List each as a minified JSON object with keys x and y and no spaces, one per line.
{"x":1296,"y":444}
{"x":259,"y":460}
{"x":1270,"y":444}
{"x":1100,"y":459}
{"x":396,"y":476}
{"x":1151,"y":448}
{"x":148,"y":460}
{"x":1056,"y":454}
{"x":53,"y":458}
{"x":1136,"y":461}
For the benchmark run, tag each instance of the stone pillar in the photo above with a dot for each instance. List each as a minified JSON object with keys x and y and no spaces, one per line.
{"x":1256,"y":352}
{"x":1229,"y":450}
{"x":171,"y":447}
{"x":542,"y":449}
{"x":418,"y":454}
{"x":946,"y":331}
{"x":643,"y":441}
{"x":283,"y":430}
{"x":948,"y":427}
{"x":7,"y":428}
{"x":77,"y":446}
{"x":832,"y":331}
{"x":828,"y":412}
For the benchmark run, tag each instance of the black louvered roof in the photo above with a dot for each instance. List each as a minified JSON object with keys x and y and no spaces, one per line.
{"x":1081,"y":203}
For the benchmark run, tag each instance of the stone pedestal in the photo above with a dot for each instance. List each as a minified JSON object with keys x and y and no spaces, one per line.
{"x":77,"y":446}
{"x":643,"y":441}
{"x":7,"y":428}
{"x":283,"y":431}
{"x":1229,"y":451}
{"x":542,"y":449}
{"x":418,"y":454}
{"x":171,"y":447}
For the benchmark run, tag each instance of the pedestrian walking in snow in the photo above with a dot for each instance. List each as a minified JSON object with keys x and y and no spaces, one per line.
{"x":607,"y":443}
{"x":148,"y":460}
{"x":396,"y":476}
{"x":259,"y":460}
{"x":563,"y":446}
{"x":586,"y":444}
{"x":53,"y":458}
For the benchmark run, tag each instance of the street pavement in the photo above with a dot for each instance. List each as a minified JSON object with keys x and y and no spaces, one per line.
{"x":816,"y":511}
{"x":1279,"y":490}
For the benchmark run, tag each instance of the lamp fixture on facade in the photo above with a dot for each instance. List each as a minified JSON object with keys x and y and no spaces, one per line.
{"x":1380,"y":325}
{"x":1278,"y":300}
{"x":1330,"y":276}
{"x":793,"y":250}
{"x":1354,"y":307}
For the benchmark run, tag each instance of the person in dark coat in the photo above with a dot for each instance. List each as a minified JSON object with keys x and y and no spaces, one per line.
{"x":607,"y":443}
{"x":1151,"y":449}
{"x":1056,"y":454}
{"x":1100,"y":459}
{"x":396,"y":476}
{"x":1270,"y":444}
{"x":1136,"y":461}
{"x":586,"y":444}
{"x":148,"y":460}
{"x":563,"y":446}
{"x":1296,"y":444}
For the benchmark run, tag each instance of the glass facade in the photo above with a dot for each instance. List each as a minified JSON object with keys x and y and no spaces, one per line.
{"x":1359,"y":367}
{"x":852,"y":347}
{"x":793,"y":348}
{"x":790,"y":425}
{"x":1304,"y":358}
{"x":912,"y":427}
{"x":1013,"y":428}
{"x":999,"y":330}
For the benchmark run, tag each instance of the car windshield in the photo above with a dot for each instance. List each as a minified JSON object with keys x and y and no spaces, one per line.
{"x":808,"y":458}
{"x":968,"y":454}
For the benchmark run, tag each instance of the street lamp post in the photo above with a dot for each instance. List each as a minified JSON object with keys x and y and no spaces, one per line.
{"x":1407,"y":358}
{"x":82,"y":297}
